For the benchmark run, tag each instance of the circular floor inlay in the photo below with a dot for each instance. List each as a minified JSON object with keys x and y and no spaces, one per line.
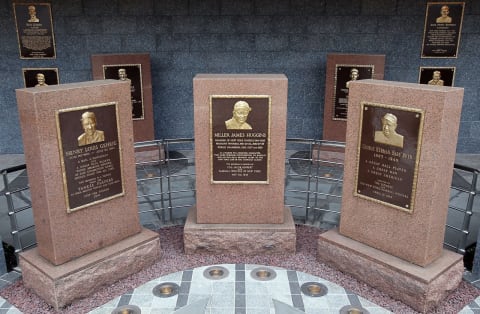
{"x":263,"y":273}
{"x":314,"y":289}
{"x":165,"y":290}
{"x":215,"y":272}
{"x":351,"y":309}
{"x":127,"y":309}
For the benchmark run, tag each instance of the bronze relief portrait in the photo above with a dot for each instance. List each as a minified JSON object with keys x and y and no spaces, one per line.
{"x":437,"y":76}
{"x":238,"y":121}
{"x":39,"y":77}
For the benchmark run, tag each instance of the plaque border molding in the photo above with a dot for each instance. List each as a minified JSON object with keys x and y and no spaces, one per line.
{"x":417,"y":157}
{"x":269,"y":97}
{"x":62,"y":161}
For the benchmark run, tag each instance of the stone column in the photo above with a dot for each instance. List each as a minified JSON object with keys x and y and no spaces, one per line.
{"x":78,"y":144}
{"x":240,"y":137}
{"x":400,"y":151}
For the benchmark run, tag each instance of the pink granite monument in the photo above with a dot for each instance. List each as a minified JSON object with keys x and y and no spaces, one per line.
{"x":342,"y":69}
{"x":240,"y":136}
{"x":134,"y":68}
{"x":400,"y":151}
{"x":78,"y":144}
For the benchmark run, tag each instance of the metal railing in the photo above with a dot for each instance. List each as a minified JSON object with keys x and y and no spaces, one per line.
{"x":166,"y":189}
{"x":16,"y":198}
{"x":463,"y":192}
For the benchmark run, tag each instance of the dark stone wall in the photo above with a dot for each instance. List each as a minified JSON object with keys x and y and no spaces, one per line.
{"x":186,"y":37}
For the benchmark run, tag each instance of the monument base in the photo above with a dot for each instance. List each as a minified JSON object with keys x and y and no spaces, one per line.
{"x":79,"y":278}
{"x":239,"y":238}
{"x":328,"y":155}
{"x":150,"y":155}
{"x":422,"y":288}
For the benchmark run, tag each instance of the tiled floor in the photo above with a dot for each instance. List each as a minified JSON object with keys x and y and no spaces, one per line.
{"x":240,"y":291}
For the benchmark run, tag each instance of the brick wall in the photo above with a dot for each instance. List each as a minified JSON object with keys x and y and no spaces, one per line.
{"x":186,"y":37}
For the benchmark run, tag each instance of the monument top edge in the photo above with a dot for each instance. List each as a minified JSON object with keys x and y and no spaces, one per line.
{"x":406,"y":85}
{"x":240,"y":76}
{"x":59,"y":87}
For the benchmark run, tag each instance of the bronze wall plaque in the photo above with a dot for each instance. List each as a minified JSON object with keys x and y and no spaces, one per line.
{"x":132,"y":73}
{"x":388,"y":154}
{"x":344,"y":74}
{"x":89,"y":144}
{"x":34,"y":30}
{"x":240,"y":139}
{"x":439,"y":76}
{"x":38,"y":77}
{"x":443,"y":25}
{"x":339,"y":69}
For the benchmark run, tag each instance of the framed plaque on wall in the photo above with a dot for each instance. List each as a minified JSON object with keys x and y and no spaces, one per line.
{"x":34,"y":30}
{"x":440,"y":76}
{"x":136,"y":69}
{"x":443,"y":25}
{"x":342,"y":69}
{"x":37,"y":77}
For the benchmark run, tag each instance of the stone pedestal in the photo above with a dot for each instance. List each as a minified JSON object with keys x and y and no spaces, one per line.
{"x":248,"y":239}
{"x":399,"y":156}
{"x":83,"y":191}
{"x":60,"y":285}
{"x":422,"y":288}
{"x":149,"y":153}
{"x":374,"y":221}
{"x":240,"y":166}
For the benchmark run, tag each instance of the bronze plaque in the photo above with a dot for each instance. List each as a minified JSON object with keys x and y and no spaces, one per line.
{"x":34,"y":30}
{"x":38,"y":77}
{"x":344,"y":74}
{"x":439,"y":76}
{"x":89,"y":144}
{"x":443,"y":25}
{"x":388,"y":154}
{"x":240,"y":139}
{"x":133,"y":74}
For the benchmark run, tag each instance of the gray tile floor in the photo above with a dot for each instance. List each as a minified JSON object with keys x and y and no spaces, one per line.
{"x":240,"y":292}
{"x":237,"y":293}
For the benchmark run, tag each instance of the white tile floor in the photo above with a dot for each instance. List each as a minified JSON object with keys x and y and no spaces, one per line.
{"x":237,"y":293}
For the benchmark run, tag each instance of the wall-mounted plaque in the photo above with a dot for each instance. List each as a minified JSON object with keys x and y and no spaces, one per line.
{"x":90,"y":154}
{"x":133,"y":74}
{"x":34,"y":30}
{"x":443,"y":25}
{"x":388,"y":154}
{"x":344,"y":75}
{"x":37,"y":77}
{"x":439,"y":76}
{"x":136,"y":69}
{"x":342,"y":69}
{"x":240,"y":138}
